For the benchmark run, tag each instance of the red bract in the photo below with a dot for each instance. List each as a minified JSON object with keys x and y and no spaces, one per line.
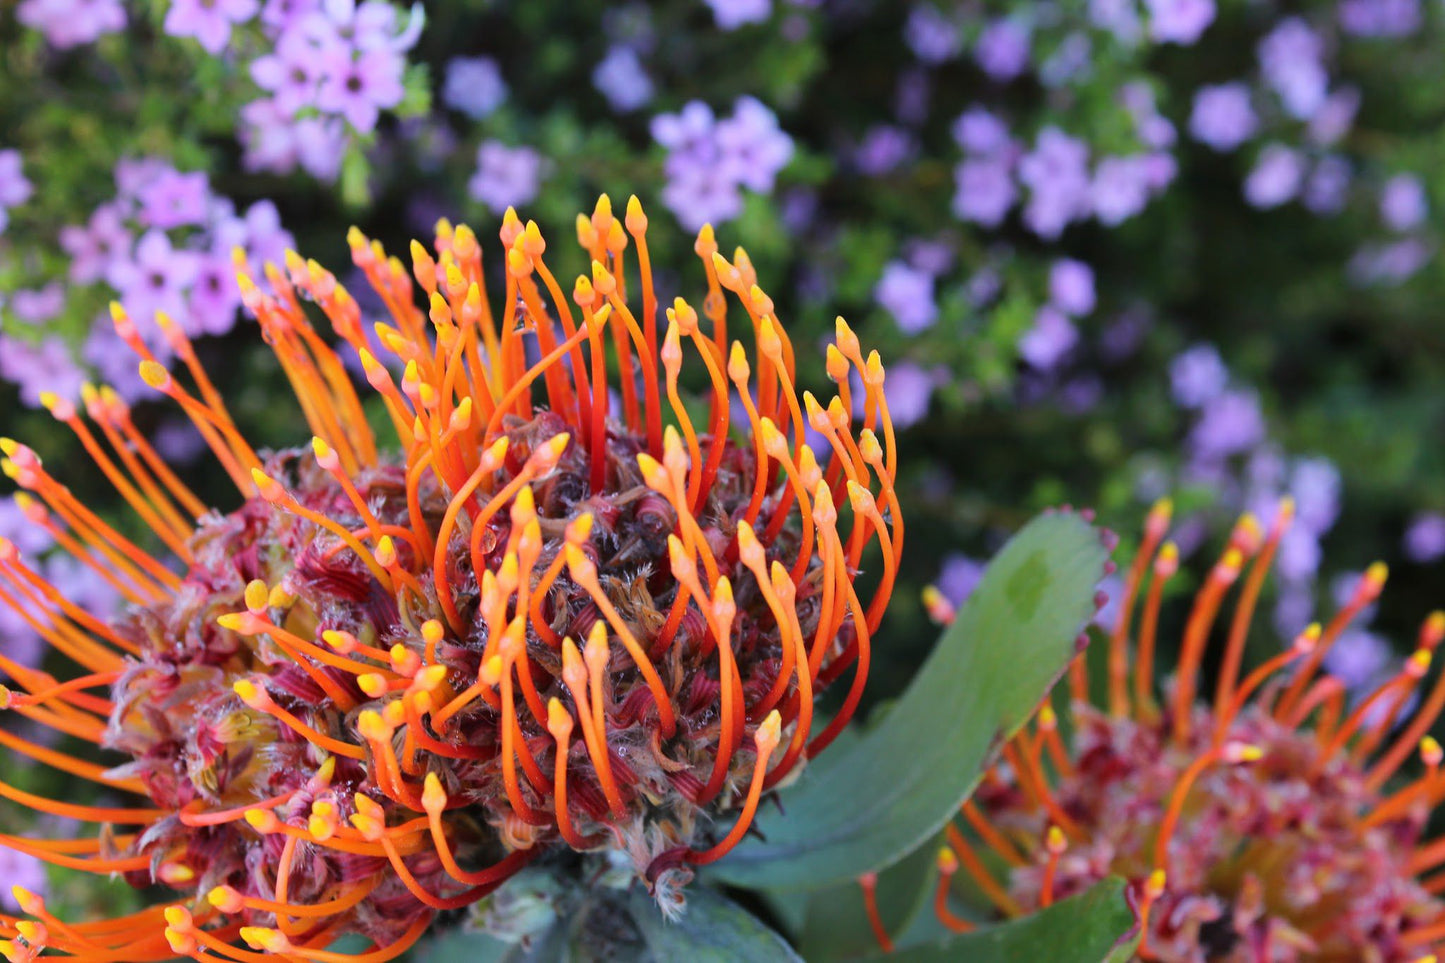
{"x":385,"y":683}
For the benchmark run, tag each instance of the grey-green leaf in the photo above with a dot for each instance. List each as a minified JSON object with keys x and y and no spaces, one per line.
{"x":467,"y":946}
{"x":1092,"y":927}
{"x":862,"y":809}
{"x":713,"y":930}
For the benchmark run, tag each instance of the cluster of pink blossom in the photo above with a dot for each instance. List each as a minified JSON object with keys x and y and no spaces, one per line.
{"x":165,"y":243}
{"x":710,"y":160}
{"x":333,"y":67}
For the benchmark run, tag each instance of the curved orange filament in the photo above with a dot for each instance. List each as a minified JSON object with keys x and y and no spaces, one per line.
{"x":868,"y":883}
{"x":980,"y":874}
{"x":947,"y":867}
{"x":1154,"y":529}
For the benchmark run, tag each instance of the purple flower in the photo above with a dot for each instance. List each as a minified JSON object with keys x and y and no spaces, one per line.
{"x":291,"y":73}
{"x":1325,"y":191}
{"x":932,"y":256}
{"x":107,"y":354}
{"x":689,"y":131}
{"x":709,"y":160}
{"x":1358,"y":657}
{"x":70,"y":23}
{"x":1425,"y":538}
{"x":1197,"y":376}
{"x":1403,"y":204}
{"x":1051,"y":338}
{"x":505,"y":176}
{"x":178,"y":441}
{"x":38,"y":305}
{"x":1222,"y":117}
{"x":370,"y":25}
{"x":911,"y":96}
{"x":175,"y":199}
{"x":933,"y":38}
{"x":1335,"y":117}
{"x":909,"y":389}
{"x":1118,"y":17}
{"x":208,"y":21}
{"x":15,"y":189}
{"x":907,"y":294}
{"x":984,"y":190}
{"x":93,"y":247}
{"x":134,"y":174}
{"x":1315,"y":485}
{"x":215,"y":296}
{"x":1380,"y":18}
{"x":979,"y":131}
{"x":1002,"y":50}
{"x":983,"y":286}
{"x":1079,"y":396}
{"x":1071,"y":287}
{"x":1179,"y":21}
{"x":702,"y":194}
{"x":753,"y":145}
{"x":259,"y":234}
{"x":1153,"y":129}
{"x":360,"y":88}
{"x":1388,"y":263}
{"x":281,"y":15}
{"x":273,"y":142}
{"x":1072,"y":60}
{"x":1276,"y":177}
{"x":622,"y":79}
{"x":959,"y":576}
{"x":38,"y":368}
{"x":474,"y":86}
{"x":154,"y":277}
{"x":17,"y":529}
{"x":1121,"y":338}
{"x":1056,"y":172}
{"x":1291,"y":59}
{"x":20,"y":869}
{"x":1229,"y":423}
{"x":1121,"y":187}
{"x":732,"y":14}
{"x":884,"y":148}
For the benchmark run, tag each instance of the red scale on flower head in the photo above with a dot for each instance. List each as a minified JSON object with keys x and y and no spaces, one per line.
{"x":386,"y":682}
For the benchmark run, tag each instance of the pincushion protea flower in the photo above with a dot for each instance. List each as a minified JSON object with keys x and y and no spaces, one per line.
{"x":385,"y":683}
{"x":1260,"y":826}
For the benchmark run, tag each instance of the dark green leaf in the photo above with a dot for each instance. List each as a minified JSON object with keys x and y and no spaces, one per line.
{"x":713,"y":930}
{"x":466,"y":946}
{"x":1093,"y":927}
{"x":860,"y":810}
{"x":835,"y":924}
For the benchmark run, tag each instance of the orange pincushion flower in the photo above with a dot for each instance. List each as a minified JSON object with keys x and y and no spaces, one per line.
{"x":385,"y":683}
{"x":1258,"y":826}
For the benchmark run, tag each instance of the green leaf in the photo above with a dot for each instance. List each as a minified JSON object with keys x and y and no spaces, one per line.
{"x":713,"y":930}
{"x":1092,"y":927}
{"x":860,"y":810}
{"x":835,"y":922}
{"x":467,"y":946}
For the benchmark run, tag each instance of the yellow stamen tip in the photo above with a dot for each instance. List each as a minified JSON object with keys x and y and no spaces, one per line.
{"x":154,"y":374}
{"x":1236,"y":752}
{"x":433,"y":796}
{"x":256,"y":596}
